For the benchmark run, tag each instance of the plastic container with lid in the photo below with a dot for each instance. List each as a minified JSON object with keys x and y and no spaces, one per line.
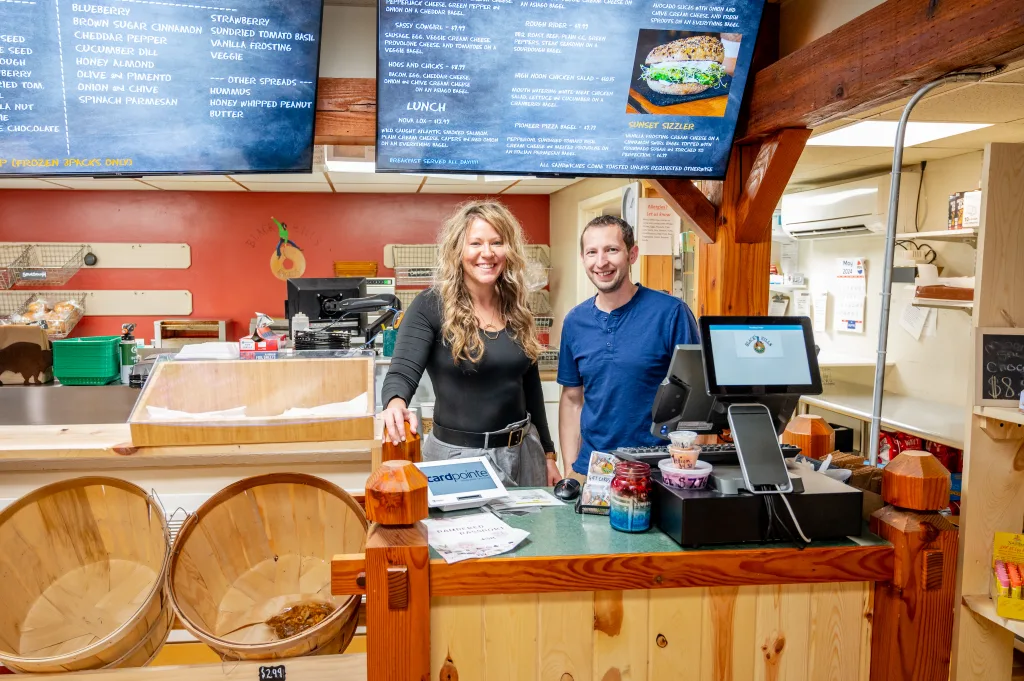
{"x":685,"y":478}
{"x":630,"y":498}
{"x":683,"y":450}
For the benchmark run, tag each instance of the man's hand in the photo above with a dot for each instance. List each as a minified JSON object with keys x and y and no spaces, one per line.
{"x":554,"y":475}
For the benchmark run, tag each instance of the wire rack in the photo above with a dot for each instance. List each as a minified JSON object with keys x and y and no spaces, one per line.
{"x":60,"y":311}
{"x":415,"y":256}
{"x":540,"y":303}
{"x":13,"y":302}
{"x":541,"y":254}
{"x":414,"y":264}
{"x":548,"y":360}
{"x":10,"y":255}
{"x":406,"y":296}
{"x":48,"y":264}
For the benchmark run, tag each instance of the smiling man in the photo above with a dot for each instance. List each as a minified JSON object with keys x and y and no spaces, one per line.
{"x":616,"y":348}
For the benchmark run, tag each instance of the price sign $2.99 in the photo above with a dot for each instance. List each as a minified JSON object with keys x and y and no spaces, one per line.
{"x":274,"y":673}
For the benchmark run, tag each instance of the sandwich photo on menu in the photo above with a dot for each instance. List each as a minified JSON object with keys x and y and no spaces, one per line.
{"x":682,"y":73}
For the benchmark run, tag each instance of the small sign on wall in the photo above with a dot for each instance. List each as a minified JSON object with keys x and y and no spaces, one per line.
{"x":659,"y":227}
{"x":1000,"y":370}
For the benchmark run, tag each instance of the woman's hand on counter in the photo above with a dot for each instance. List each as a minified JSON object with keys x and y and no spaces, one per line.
{"x":395,"y":415}
{"x":554,"y":475}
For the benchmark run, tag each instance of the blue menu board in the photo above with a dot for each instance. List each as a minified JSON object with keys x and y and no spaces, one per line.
{"x":146,"y":87}
{"x":562,"y":87}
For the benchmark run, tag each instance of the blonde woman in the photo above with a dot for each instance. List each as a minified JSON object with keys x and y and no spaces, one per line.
{"x":474,"y":335}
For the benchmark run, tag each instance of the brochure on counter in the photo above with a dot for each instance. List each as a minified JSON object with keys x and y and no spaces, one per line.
{"x":479,"y":535}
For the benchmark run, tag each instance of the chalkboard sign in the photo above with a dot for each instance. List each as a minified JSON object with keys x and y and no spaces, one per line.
{"x":1000,"y":371}
{"x":626,"y":88}
{"x":139,"y":87}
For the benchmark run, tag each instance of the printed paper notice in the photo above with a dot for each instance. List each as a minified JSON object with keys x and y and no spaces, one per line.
{"x":659,"y":226}
{"x":478,"y":535}
{"x":913,"y":320}
{"x":852,"y":282}
{"x":820,"y":312}
{"x":802,"y":303}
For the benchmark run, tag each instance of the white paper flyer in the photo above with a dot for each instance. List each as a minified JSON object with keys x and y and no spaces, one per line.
{"x":524,"y":498}
{"x":472,"y":536}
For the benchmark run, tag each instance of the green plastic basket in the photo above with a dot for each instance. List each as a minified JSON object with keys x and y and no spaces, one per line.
{"x":87,"y":361}
{"x":69,"y":380}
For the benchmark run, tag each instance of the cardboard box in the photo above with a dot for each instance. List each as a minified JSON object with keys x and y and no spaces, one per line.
{"x":250,"y":348}
{"x":1007,"y":548}
{"x":972,"y":210}
{"x":262,"y":344}
{"x":956,"y":211}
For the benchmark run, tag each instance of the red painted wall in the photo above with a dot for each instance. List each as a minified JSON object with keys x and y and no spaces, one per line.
{"x":232,"y":238}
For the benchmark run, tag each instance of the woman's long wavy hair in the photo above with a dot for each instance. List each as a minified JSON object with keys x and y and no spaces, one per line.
{"x":459,"y":325}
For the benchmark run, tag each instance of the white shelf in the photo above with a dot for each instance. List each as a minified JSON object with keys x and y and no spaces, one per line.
{"x":984,"y":607}
{"x":969,"y":235}
{"x":1008,"y":414}
{"x":934,"y":421}
{"x":964,"y":305}
{"x":787,"y":287}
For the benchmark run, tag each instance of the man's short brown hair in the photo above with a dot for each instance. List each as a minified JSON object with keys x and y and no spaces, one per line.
{"x":611,"y":221}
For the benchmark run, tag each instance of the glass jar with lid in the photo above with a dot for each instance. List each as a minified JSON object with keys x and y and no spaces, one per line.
{"x":630,"y":499}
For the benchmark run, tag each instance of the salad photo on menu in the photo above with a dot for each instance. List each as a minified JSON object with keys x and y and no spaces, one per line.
{"x":682,"y":73}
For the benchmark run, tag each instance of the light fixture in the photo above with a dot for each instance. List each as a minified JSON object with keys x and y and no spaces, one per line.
{"x":883,"y":134}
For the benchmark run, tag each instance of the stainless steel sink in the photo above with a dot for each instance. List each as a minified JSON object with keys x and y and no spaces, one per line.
{"x":54,"y":405}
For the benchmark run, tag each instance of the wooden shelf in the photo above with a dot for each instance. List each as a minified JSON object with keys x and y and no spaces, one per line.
{"x":969,"y":235}
{"x":965,"y":305}
{"x":1008,"y":414}
{"x":984,"y":607}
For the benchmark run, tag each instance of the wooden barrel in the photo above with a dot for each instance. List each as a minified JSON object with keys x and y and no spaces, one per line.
{"x":82,"y":577}
{"x":257,"y":548}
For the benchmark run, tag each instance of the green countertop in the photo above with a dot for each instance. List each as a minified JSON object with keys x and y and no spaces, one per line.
{"x":560,"y":531}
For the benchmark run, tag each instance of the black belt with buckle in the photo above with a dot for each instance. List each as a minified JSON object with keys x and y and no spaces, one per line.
{"x":459,"y":438}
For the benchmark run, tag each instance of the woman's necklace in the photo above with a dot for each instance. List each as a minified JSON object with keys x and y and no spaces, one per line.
{"x":490,"y":326}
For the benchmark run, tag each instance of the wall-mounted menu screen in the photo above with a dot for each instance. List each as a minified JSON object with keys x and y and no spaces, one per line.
{"x":562,"y":87}
{"x":139,"y":87}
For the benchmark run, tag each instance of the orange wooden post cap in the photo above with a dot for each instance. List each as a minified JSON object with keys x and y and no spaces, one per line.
{"x":812,"y":434}
{"x":916,"y":480}
{"x":408,"y":450}
{"x":396,"y":494}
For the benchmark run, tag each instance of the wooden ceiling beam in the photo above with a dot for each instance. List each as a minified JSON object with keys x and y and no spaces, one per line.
{"x":762,"y":190}
{"x":881,"y":56}
{"x":346,"y":111}
{"x":685,"y":199}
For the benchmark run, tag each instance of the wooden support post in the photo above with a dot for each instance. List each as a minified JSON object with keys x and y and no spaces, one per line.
{"x":403,"y":451}
{"x":992,"y":496}
{"x":913,"y":625}
{"x":772,"y":169}
{"x":397,"y":575}
{"x":733,"y":276}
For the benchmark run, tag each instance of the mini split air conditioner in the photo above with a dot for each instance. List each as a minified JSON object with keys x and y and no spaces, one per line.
{"x":850,"y":209}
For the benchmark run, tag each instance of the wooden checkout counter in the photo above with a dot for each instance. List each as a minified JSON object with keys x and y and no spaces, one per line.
{"x":578,"y":601}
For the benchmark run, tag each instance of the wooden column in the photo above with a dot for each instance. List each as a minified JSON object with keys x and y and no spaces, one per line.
{"x":403,"y":451}
{"x":397,"y":575}
{"x":992,"y":495}
{"x":913,"y":626}
{"x":733,"y":219}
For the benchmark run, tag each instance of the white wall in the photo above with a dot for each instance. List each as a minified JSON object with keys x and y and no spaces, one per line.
{"x":565,"y":259}
{"x":348,"y":44}
{"x":937,"y":367}
{"x":804,"y":21}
